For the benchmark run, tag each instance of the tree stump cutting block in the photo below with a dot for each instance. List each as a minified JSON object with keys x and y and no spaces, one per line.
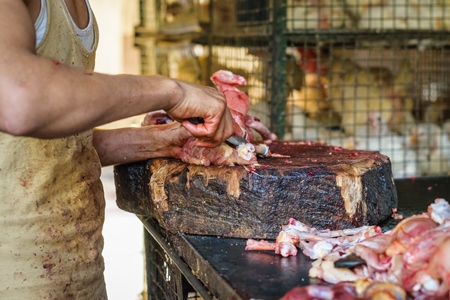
{"x":323,"y":186}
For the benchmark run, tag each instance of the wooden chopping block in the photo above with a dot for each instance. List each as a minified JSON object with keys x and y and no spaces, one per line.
{"x":322,"y":186}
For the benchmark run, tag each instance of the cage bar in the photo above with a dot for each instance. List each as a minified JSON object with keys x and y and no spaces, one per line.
{"x":360,"y":74}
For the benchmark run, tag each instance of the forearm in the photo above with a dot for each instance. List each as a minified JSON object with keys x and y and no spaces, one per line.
{"x":42,"y":98}
{"x":126,"y":145}
{"x":64,"y":100}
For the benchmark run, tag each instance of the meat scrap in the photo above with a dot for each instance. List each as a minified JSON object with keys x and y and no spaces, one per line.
{"x":360,"y":289}
{"x":220,"y":156}
{"x":313,"y":243}
{"x":238,"y":104}
{"x":409,"y":262}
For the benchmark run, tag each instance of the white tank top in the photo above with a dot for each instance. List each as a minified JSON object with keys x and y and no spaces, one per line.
{"x":86,"y":35}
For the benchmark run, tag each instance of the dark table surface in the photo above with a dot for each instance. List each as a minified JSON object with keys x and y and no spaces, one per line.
{"x":265,"y":275}
{"x":227,"y":271}
{"x":253,"y":274}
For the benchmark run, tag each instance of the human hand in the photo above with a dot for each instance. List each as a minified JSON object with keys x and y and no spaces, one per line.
{"x":131,"y":144}
{"x":171,"y":138}
{"x":208,"y":104}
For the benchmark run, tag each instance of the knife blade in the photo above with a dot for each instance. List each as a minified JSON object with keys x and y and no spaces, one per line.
{"x":234,"y":140}
{"x":349,"y":261}
{"x":237,"y":140}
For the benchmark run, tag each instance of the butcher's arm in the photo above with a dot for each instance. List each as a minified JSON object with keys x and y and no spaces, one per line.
{"x":126,"y":145}
{"x":41,"y":98}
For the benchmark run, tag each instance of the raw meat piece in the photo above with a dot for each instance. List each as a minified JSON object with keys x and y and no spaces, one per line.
{"x":238,"y":103}
{"x":255,"y":123}
{"x":226,"y":83}
{"x":221,"y":155}
{"x":413,"y":258}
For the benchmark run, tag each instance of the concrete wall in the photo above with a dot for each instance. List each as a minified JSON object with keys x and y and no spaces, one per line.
{"x":116,"y":52}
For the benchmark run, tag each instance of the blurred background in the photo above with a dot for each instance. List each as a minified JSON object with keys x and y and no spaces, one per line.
{"x":123,"y":232}
{"x":357,"y":74}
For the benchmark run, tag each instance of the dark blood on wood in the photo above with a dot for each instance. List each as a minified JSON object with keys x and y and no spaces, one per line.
{"x":321,"y":186}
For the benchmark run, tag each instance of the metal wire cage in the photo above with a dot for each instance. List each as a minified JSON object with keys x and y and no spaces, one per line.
{"x":372,"y":15}
{"x":164,"y":278}
{"x":374,"y":77}
{"x":359,"y":74}
{"x":372,"y":97}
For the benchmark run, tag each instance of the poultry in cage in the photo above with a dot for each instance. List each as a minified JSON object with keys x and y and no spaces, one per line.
{"x":340,"y":91}
{"x":431,"y":145}
{"x":376,"y":136}
{"x":400,"y":14}
{"x":308,"y":95}
{"x":318,"y":14}
{"x":354,"y":91}
{"x":436,"y":101}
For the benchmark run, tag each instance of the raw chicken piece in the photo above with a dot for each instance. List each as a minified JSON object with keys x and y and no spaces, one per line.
{"x":259,"y":127}
{"x":311,"y":97}
{"x":429,"y":143}
{"x":238,"y":103}
{"x":314,"y":243}
{"x":359,"y":289}
{"x":354,"y":91}
{"x":375,"y":136}
{"x":221,"y":155}
{"x":406,"y":231}
{"x":227,"y":82}
{"x":413,"y":258}
{"x":315,"y":292}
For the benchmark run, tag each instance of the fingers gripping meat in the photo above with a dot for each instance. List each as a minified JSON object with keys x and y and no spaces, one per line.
{"x":193,"y":154}
{"x":238,"y":103}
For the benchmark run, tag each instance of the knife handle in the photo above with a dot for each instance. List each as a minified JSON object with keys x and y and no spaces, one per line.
{"x":196,"y":120}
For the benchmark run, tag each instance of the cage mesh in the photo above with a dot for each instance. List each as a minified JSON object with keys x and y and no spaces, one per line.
{"x":368,"y":15}
{"x":164,"y":279}
{"x":359,"y":74}
{"x":372,"y":97}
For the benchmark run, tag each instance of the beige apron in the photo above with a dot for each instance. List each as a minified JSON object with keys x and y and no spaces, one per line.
{"x":51,"y":198}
